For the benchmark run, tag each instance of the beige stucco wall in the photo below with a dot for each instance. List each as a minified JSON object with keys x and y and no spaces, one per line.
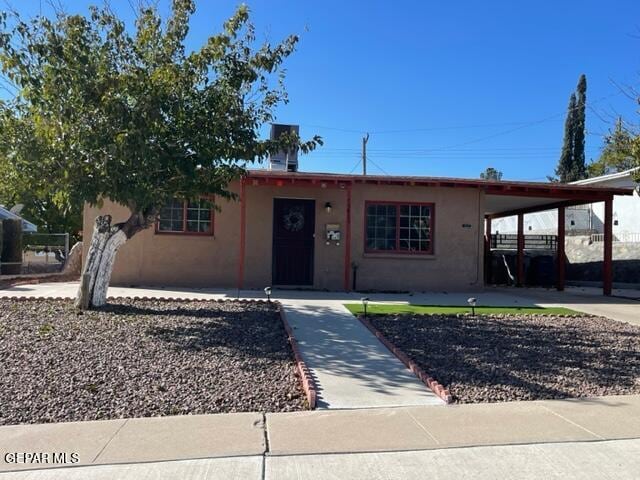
{"x":212,"y":261}
{"x":456,"y":263}
{"x":175,"y":260}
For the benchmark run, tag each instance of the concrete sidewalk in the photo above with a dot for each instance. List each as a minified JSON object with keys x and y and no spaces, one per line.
{"x":609,"y":460}
{"x":322,"y":432}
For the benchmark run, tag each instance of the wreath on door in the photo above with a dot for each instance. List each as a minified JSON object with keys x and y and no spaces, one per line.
{"x":294,"y":219}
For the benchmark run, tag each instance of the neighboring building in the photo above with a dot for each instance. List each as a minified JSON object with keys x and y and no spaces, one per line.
{"x":587,"y":219}
{"x":26,"y":225}
{"x":329,"y":231}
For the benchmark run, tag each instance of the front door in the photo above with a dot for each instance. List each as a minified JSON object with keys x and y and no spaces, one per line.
{"x":293,"y":239}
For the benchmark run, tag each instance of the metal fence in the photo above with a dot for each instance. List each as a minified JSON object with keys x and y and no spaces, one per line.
{"x":44,"y":252}
{"x":619,"y":237}
{"x":531,"y":242}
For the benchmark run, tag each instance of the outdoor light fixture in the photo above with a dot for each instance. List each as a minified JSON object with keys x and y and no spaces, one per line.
{"x":365,"y":302}
{"x":472,"y":302}
{"x":267,"y":291}
{"x":328,"y":207}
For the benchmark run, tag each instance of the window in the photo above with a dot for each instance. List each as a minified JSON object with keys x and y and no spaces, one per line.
{"x":399,"y":228}
{"x":195,"y":217}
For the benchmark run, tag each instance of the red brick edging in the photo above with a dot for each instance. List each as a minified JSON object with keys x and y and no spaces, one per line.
{"x":308,"y":384}
{"x":429,"y":381}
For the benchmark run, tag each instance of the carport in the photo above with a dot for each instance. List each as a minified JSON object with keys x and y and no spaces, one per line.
{"x":506,"y":199}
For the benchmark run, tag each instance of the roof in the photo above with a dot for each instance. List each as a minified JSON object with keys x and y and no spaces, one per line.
{"x":26,"y":225}
{"x":607,"y":178}
{"x":491,"y":186}
{"x":503,"y":197}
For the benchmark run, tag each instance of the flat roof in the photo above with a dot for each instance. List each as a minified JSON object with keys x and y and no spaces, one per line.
{"x":504,"y":197}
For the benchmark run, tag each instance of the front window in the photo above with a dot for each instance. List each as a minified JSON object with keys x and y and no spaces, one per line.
{"x":399,"y":227}
{"x":191,"y":217}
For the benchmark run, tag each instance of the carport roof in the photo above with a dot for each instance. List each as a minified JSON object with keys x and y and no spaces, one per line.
{"x":503,"y":198}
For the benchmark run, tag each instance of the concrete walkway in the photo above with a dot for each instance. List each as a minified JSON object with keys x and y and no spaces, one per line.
{"x":394,"y":442}
{"x":351,"y":367}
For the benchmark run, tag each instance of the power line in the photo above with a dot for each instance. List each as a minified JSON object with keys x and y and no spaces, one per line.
{"x":519,"y":125}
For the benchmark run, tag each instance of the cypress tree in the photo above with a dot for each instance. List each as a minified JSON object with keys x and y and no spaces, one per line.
{"x":571,"y":165}
{"x":563,"y":171}
{"x":579,"y":167}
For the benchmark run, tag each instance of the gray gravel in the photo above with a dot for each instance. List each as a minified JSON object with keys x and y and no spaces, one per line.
{"x":138,"y":358}
{"x":496,"y":358}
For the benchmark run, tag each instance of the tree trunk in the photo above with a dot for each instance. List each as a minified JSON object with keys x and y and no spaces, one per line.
{"x":105,"y":242}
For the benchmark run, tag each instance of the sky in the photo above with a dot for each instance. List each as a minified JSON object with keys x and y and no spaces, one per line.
{"x":443,"y":88}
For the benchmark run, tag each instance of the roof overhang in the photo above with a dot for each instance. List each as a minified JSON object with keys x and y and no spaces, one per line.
{"x":503,"y":198}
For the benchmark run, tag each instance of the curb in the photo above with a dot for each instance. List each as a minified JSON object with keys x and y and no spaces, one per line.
{"x":308,"y":384}
{"x":425,"y":378}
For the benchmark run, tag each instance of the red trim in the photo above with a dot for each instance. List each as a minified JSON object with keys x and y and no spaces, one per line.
{"x":514,"y":188}
{"x":347,"y":247}
{"x":397,"y":251}
{"x":607,"y":267}
{"x":520,"y":249}
{"x":243,"y":214}
{"x":184,"y":223}
{"x":560,"y":256}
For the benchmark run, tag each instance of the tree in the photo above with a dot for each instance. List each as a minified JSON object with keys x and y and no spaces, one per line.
{"x":40,"y":207}
{"x":134,"y":117}
{"x":491,"y":174}
{"x":571,"y":165}
{"x":617,"y":154}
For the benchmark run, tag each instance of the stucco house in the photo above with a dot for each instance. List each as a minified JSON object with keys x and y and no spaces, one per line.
{"x":339,"y":232}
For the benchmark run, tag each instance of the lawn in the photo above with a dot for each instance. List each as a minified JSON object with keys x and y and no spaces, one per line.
{"x":508,"y":354}
{"x":136,"y":358}
{"x":393,"y":309}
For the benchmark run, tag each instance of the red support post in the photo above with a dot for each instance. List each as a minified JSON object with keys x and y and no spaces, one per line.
{"x":520,"y":250}
{"x":487,"y":249}
{"x":560,"y":255}
{"x":347,"y":246}
{"x":607,"y":267}
{"x":243,"y":214}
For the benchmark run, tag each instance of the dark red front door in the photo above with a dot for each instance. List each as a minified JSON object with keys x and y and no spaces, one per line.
{"x":293,"y":238}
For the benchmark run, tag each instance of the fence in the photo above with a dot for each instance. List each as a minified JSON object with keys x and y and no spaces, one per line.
{"x":44,"y":252}
{"x":620,"y":237}
{"x":531,"y":242}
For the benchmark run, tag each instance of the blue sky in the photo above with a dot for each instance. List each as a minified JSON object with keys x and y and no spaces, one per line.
{"x":444,"y":88}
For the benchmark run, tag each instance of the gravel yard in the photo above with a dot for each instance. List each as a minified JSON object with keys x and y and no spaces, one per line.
{"x":137,"y":358}
{"x":529,"y":357}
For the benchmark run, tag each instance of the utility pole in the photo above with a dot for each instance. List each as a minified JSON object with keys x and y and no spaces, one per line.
{"x":365,"y":139}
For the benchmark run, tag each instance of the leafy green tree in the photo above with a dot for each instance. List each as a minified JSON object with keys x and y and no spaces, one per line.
{"x":491,"y":174}
{"x":617,"y":154}
{"x":132,"y":116}
{"x":571,"y":165}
